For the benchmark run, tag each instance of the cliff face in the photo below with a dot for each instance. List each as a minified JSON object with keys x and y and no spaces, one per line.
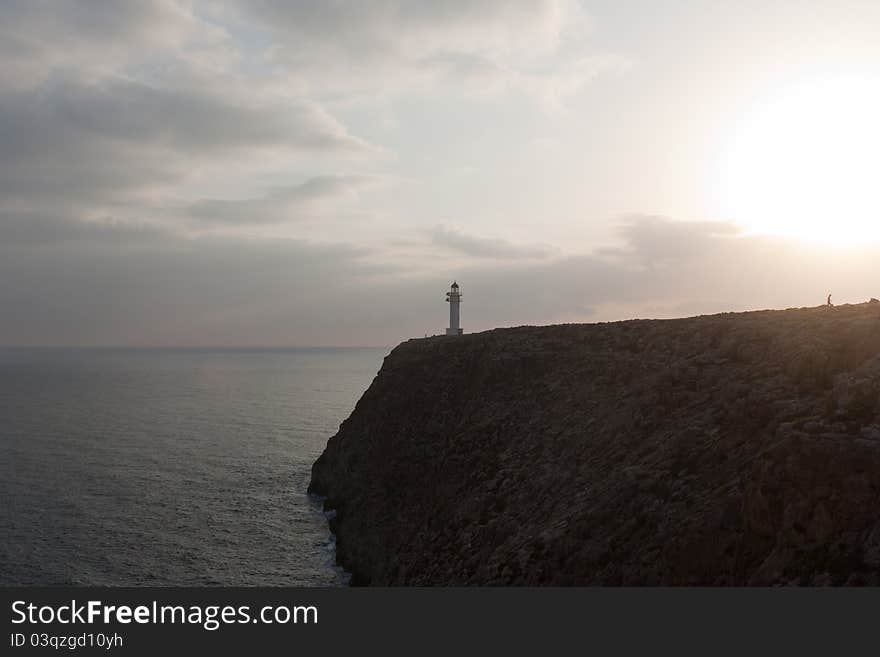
{"x":726,"y":449}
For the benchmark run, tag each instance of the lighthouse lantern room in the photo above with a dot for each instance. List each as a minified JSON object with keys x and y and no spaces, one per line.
{"x":453,"y":297}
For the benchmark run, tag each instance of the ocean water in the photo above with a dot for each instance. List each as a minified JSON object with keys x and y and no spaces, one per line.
{"x":170,"y":466}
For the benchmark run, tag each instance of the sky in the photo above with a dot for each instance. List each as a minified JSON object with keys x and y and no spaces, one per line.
{"x":282,"y":173}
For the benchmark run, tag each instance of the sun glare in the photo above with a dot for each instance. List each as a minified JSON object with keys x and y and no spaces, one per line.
{"x":806,"y":163}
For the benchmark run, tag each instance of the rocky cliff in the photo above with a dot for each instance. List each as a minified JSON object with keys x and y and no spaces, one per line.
{"x":721,"y":450}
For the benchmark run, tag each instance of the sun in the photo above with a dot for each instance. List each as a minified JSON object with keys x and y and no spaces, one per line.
{"x":806,"y":163}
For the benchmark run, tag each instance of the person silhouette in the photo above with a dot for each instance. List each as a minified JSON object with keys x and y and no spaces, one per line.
{"x":829,"y":301}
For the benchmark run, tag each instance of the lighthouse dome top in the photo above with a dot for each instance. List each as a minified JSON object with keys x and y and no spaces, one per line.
{"x":454,"y":284}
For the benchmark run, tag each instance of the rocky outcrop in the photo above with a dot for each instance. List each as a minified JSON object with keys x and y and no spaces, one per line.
{"x":734,"y":449}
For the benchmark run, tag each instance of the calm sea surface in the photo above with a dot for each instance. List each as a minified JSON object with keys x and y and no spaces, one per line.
{"x":169,"y":466}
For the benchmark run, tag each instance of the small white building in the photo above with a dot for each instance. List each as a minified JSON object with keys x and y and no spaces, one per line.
{"x":453,"y":297}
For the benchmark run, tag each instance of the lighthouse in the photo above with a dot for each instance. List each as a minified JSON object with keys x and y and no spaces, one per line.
{"x":454,"y":298}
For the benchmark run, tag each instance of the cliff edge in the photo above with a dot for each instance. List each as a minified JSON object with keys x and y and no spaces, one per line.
{"x":733,"y":449}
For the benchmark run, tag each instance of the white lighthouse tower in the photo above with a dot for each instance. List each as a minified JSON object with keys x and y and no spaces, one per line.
{"x":454,"y":298}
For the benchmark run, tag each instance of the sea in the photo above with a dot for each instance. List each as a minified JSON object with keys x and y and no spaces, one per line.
{"x":162,"y":467}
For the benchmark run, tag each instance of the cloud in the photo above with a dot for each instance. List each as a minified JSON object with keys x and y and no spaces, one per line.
{"x":486,"y":247}
{"x":133,"y":136}
{"x":656,"y":240}
{"x":69,"y":131}
{"x":121,"y":147}
{"x":412,"y":28}
{"x":18,"y":229}
{"x":390,"y":46}
{"x":187,"y":120}
{"x":92,"y":39}
{"x":171,"y":290}
{"x":280,"y":203}
{"x":123,"y":111}
{"x":717,"y":269}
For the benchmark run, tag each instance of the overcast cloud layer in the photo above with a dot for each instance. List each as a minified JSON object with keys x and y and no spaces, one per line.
{"x":291,"y":173}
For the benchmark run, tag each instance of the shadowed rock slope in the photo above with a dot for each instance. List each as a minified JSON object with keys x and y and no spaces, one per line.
{"x":730,"y":449}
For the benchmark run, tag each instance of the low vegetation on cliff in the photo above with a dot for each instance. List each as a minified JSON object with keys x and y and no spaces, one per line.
{"x":734,"y":449}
